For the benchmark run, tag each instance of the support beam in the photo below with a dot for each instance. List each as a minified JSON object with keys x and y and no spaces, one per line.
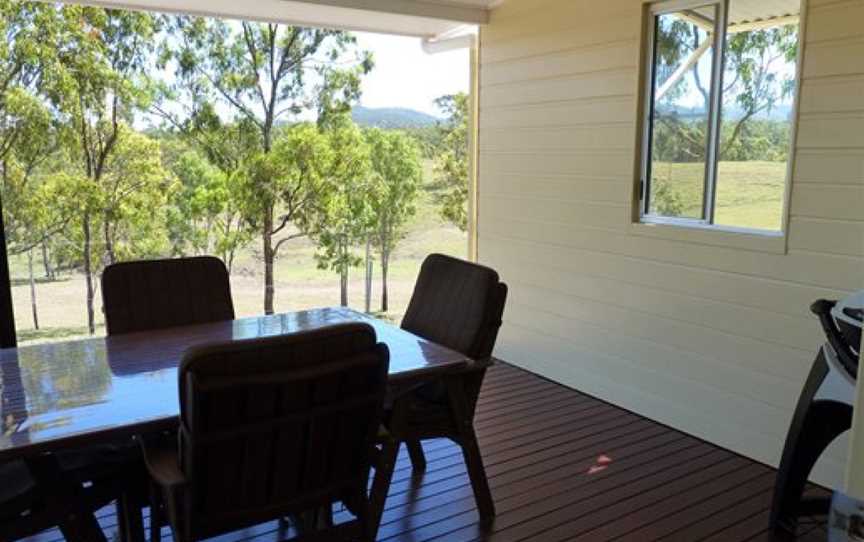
{"x":421,"y":8}
{"x":422,"y":18}
{"x":455,"y":40}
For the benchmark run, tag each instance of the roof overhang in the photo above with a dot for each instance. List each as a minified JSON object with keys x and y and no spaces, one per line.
{"x":747,"y":16}
{"x":422,"y":18}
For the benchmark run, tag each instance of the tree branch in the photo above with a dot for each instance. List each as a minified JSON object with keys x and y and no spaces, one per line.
{"x":253,"y":61}
{"x":285,"y":240}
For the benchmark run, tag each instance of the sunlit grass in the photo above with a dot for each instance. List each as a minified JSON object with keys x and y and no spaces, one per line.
{"x":749,"y":194}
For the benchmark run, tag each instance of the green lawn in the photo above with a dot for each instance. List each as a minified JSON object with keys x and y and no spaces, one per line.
{"x":749,"y":194}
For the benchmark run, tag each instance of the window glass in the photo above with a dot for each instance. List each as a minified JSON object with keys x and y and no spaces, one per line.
{"x":681,"y":96}
{"x":718,"y":135}
{"x":756,"y":125}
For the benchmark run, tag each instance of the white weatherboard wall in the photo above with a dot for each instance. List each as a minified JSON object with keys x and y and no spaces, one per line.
{"x":713,"y":340}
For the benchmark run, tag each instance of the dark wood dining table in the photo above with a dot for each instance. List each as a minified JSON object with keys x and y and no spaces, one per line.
{"x":68,"y":395}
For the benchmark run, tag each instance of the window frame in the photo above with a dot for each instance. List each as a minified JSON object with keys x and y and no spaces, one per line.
{"x":706,"y":223}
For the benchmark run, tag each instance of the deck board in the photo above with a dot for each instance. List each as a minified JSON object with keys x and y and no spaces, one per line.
{"x":564,"y":466}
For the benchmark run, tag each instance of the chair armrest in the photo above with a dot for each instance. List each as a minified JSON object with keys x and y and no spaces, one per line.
{"x":163,"y":464}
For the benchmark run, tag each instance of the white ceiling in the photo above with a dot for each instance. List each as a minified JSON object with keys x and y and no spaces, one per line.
{"x":424,"y":18}
{"x":752,"y":11}
{"x":741,"y":11}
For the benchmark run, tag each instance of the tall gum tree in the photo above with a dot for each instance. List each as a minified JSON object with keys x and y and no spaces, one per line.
{"x":103,"y":84}
{"x":396,"y":177}
{"x":264,"y":74}
{"x":344,"y":214}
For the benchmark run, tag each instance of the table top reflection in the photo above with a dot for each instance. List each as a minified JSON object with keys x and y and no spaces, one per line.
{"x":85,"y":392}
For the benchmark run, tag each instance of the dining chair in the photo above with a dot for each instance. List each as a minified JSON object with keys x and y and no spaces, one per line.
{"x":457,"y":304}
{"x":270,"y":428}
{"x":148,"y":295}
{"x":156,"y":294}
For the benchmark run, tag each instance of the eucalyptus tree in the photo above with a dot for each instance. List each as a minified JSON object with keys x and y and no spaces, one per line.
{"x":30,"y":66}
{"x":292,"y":178}
{"x":396,"y":178}
{"x":32,"y":211}
{"x":133,"y":193}
{"x":265,"y":75}
{"x":343,"y":215}
{"x":104,"y":82}
{"x":211,"y":159}
{"x":205,"y":215}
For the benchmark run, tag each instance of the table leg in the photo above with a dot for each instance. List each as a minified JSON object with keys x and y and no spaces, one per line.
{"x":75,"y":519}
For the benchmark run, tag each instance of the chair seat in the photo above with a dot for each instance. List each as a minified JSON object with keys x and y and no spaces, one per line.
{"x":16,"y":486}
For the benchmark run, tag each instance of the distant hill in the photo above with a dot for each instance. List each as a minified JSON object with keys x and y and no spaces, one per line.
{"x":780,"y":112}
{"x":392,"y":117}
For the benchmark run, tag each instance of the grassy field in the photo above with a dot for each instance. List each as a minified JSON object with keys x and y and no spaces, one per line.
{"x":299,"y":284}
{"x":749,"y":194}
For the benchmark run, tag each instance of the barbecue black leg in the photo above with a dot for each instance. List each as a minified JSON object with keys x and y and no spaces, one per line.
{"x":815,"y":425}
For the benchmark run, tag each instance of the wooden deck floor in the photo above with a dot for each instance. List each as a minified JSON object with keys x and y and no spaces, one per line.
{"x":564,"y":466}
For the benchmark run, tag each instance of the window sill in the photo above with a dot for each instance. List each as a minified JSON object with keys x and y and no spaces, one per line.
{"x":771,"y":242}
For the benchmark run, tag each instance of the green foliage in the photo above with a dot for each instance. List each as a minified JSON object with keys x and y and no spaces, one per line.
{"x":128,"y":216}
{"x":428,"y":139}
{"x":451,"y":167}
{"x":133,"y":193}
{"x":205,"y":215}
{"x":666,"y":200}
{"x":677,"y":139}
{"x":344,"y":215}
{"x":261,"y":73}
{"x":28,"y":188}
{"x":395,"y":180}
{"x":396,"y":177}
{"x":753,"y":85}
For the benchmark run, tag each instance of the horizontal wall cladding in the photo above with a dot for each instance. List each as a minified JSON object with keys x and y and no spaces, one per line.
{"x":713,"y":340}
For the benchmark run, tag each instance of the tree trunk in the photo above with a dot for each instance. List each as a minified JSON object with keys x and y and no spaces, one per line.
{"x":343,"y":275}
{"x":88,"y":274}
{"x":110,"y":259}
{"x":267,"y":238}
{"x":368,"y":275}
{"x":229,"y":261}
{"x":32,"y":290}
{"x":46,"y":261}
{"x":385,"y":265}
